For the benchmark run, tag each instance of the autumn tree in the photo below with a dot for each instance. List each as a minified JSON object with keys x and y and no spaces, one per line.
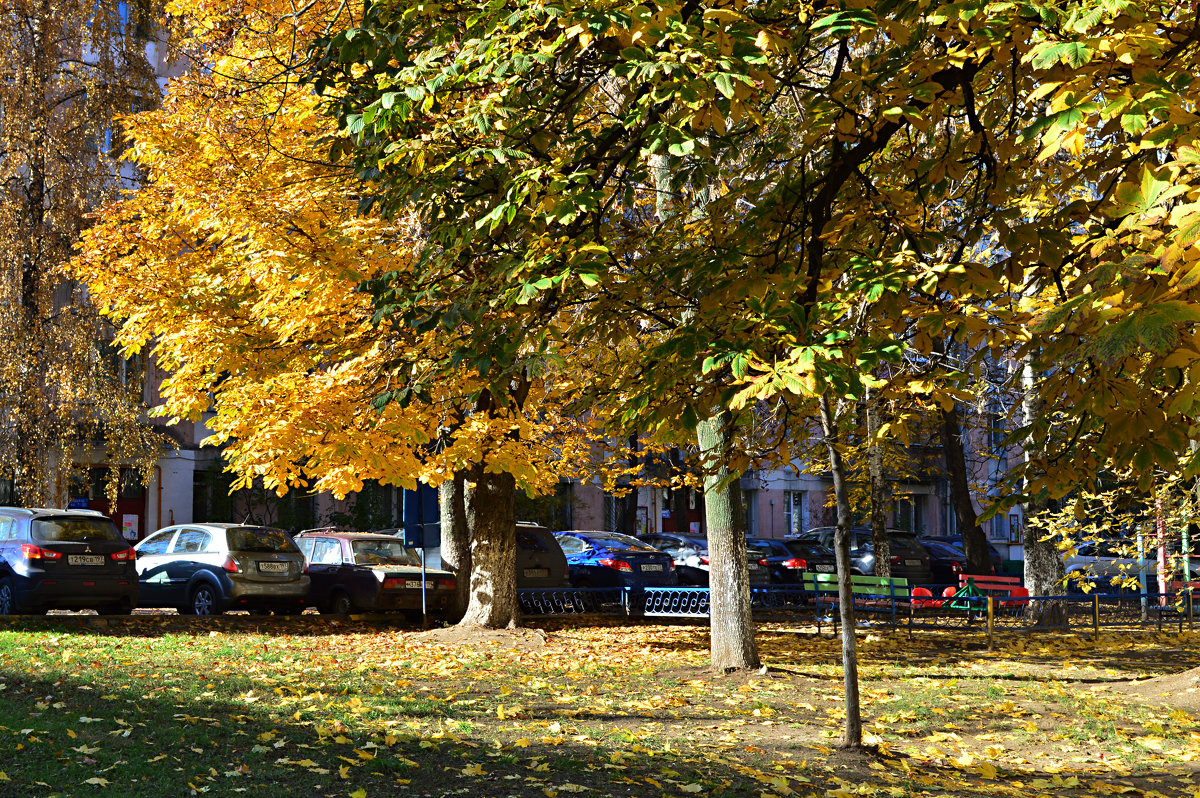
{"x":67,"y":71}
{"x":239,"y":263}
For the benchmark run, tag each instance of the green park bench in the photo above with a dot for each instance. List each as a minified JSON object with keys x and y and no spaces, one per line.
{"x":874,"y":594}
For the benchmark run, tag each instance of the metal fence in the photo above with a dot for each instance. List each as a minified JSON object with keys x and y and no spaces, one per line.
{"x":1070,"y":611}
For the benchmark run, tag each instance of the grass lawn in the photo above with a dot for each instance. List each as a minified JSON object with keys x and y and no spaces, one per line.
{"x":166,"y":705}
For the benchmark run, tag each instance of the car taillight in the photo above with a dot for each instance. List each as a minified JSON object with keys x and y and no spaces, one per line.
{"x":796,"y":563}
{"x":896,"y":560}
{"x":125,"y":555}
{"x":671,"y":565}
{"x":446,"y":584}
{"x":392,"y":581}
{"x":763,"y":562}
{"x":31,"y":552}
{"x":704,"y":559}
{"x":619,"y":565}
{"x":230,"y":565}
{"x":956,"y":567}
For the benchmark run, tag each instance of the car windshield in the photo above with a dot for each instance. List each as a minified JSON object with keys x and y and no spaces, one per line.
{"x":805,"y":548}
{"x":618,"y":541}
{"x":75,"y":530}
{"x":903,"y":544}
{"x":251,"y":538}
{"x":383,"y":552}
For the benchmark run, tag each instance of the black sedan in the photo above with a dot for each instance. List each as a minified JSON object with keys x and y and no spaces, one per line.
{"x":354,"y":572}
{"x":610,"y":559}
{"x":787,"y":561}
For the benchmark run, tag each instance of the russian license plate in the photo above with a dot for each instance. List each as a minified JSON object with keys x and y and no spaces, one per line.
{"x":653,"y":567}
{"x":273,"y":567}
{"x":753,"y":566}
{"x":85,"y":559}
{"x":415,"y":584}
{"x":913,"y":563}
{"x":536,"y":573}
{"x":826,"y":569}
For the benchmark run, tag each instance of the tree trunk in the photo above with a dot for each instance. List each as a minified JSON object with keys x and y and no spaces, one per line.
{"x":679,"y":494}
{"x":974,"y":542}
{"x":731,"y":642}
{"x":629,"y":502}
{"x":456,"y":540}
{"x":852,"y":733}
{"x":878,"y":489}
{"x":1044,"y":570}
{"x":492,"y":523}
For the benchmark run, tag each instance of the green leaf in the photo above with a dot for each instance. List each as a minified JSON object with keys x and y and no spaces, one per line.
{"x":724,"y":83}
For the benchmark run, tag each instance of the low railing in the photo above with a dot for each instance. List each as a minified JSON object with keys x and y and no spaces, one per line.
{"x":1078,"y":611}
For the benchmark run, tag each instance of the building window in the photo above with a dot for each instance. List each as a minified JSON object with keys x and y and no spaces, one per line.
{"x":1000,"y":528}
{"x":795,"y":512}
{"x":750,"y":502}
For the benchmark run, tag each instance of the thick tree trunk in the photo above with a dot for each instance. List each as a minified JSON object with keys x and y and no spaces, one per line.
{"x":852,"y":732}
{"x":879,"y":490}
{"x":456,"y":540}
{"x":1044,"y":570}
{"x":974,"y":542}
{"x":731,"y":643}
{"x":492,"y":602}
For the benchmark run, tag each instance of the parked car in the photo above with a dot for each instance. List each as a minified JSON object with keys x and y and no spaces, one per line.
{"x":610,"y":559}
{"x":787,"y":561}
{"x":353,"y":572}
{"x":909,"y":559}
{"x":690,"y":553}
{"x":68,"y":559}
{"x":206,"y":569}
{"x":994,"y":555}
{"x":946,"y":561}
{"x":1102,"y":561}
{"x":541,"y":562}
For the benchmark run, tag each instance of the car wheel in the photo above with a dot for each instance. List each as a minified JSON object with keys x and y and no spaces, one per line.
{"x":340,"y":603}
{"x":204,"y":601}
{"x":8,"y":602}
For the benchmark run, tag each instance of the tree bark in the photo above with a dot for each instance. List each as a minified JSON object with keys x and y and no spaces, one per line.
{"x":878,"y":488}
{"x":974,"y":542}
{"x":852,"y":732}
{"x":492,"y":602}
{"x":731,"y":639}
{"x":629,"y":502}
{"x":1044,"y":570}
{"x":456,"y":539}
{"x":679,"y":494}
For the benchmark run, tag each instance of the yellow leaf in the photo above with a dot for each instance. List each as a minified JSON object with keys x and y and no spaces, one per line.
{"x":359,"y":793}
{"x":99,"y":782}
{"x":691,"y":788}
{"x":344,"y":771}
{"x":4,"y":776}
{"x":473,"y":770}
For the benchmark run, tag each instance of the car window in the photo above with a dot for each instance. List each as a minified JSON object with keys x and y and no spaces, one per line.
{"x":250,"y":538}
{"x":75,"y":530}
{"x":805,"y":548}
{"x":383,"y":552}
{"x":192,"y":541}
{"x":902,"y":544}
{"x":571,"y":544}
{"x":305,"y":545}
{"x":8,"y":528}
{"x":619,"y":540}
{"x":156,"y":543}
{"x":530,"y":541}
{"x":326,"y":551}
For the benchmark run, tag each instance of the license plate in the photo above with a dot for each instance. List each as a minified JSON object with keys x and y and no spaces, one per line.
{"x":753,"y":566}
{"x":85,"y":559}
{"x":273,"y":567}
{"x":651,"y":567}
{"x":536,"y":573}
{"x":416,"y":584}
{"x":913,"y":563}
{"x":826,"y":569}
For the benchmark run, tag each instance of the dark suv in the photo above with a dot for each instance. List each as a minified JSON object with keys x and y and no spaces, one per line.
{"x":909,"y":558}
{"x":68,"y":559}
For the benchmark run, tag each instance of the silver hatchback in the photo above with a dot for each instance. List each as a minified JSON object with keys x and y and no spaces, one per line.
{"x":207,"y":569}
